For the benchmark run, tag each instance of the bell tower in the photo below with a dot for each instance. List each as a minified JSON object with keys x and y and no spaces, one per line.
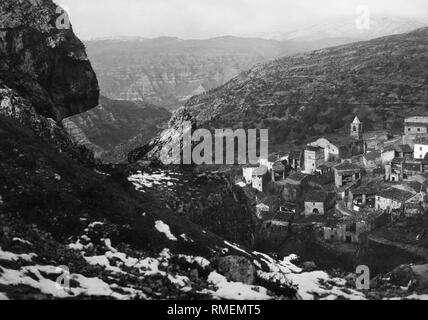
{"x":357,"y":129}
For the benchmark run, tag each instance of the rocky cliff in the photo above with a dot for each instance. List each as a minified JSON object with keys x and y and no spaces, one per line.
{"x":44,"y":64}
{"x":44,"y":73}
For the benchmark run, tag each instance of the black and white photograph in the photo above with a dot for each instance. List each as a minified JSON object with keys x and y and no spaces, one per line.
{"x":235,"y":152}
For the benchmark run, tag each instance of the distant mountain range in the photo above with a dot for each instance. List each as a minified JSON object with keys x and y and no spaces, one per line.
{"x":345,"y":28}
{"x":168,"y":71}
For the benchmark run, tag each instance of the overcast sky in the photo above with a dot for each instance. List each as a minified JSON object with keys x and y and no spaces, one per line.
{"x":209,"y":18}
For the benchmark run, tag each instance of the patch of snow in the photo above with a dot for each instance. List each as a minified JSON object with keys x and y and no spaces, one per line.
{"x":186,"y":238}
{"x":234,"y":246}
{"x":164,"y":228}
{"x":236,"y":290}
{"x":95,"y":223}
{"x":22,"y":241}
{"x":309,"y":285}
{"x":180,"y":281}
{"x":83,"y":285}
{"x":148,"y":180}
{"x":3,"y":297}
{"x":241,"y":184}
{"x":191,"y":259}
{"x":10,"y":256}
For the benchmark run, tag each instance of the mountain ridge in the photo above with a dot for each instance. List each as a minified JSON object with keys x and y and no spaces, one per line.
{"x":321,"y":90}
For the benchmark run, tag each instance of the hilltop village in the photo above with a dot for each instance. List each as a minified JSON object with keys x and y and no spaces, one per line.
{"x":345,"y":185}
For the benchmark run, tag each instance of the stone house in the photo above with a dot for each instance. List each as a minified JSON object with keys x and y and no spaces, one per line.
{"x":339,"y":147}
{"x":260,"y":178}
{"x":247,"y":173}
{"x":326,"y":168}
{"x":278,"y":171}
{"x":346,"y":173}
{"x":262,"y":210}
{"x":318,"y":202}
{"x":363,"y":196}
{"x":346,"y":232}
{"x":293,"y":186}
{"x":420,"y":148}
{"x":269,"y":162}
{"x":393,"y":199}
{"x":400,"y":169}
{"x":404,"y":151}
{"x":416,"y":125}
{"x":314,"y":157}
{"x":296,"y":159}
{"x":372,"y":159}
{"x":388,"y":154}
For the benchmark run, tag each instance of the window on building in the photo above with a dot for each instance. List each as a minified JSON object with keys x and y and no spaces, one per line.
{"x":420,"y":148}
{"x":419,"y":129}
{"x":354,"y":128}
{"x":408,"y":129}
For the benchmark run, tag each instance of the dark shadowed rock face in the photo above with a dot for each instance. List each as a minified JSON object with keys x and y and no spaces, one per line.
{"x":44,"y":64}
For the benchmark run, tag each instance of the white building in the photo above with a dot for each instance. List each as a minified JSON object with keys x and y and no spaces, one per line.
{"x":416,"y":125}
{"x":247,"y":173}
{"x":420,"y":148}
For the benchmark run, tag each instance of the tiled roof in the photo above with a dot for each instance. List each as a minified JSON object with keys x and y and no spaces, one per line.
{"x":371,"y":156}
{"x":395,"y":194}
{"x":315,"y":149}
{"x":404,"y":148}
{"x":412,"y":166}
{"x":278,"y":166}
{"x":316,"y":196}
{"x":297,"y":176}
{"x":398,"y":160}
{"x":421,"y":140}
{"x":340,"y":140}
{"x":346,"y":166}
{"x":417,"y":119}
{"x":364,"y":190}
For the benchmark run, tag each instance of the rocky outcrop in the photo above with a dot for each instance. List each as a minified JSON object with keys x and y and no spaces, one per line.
{"x":209,"y":199}
{"x":45,"y":74}
{"x":20,"y":109}
{"x":44,"y":63}
{"x":236,"y":268}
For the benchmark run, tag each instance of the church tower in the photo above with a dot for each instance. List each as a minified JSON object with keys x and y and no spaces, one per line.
{"x":357,"y":129}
